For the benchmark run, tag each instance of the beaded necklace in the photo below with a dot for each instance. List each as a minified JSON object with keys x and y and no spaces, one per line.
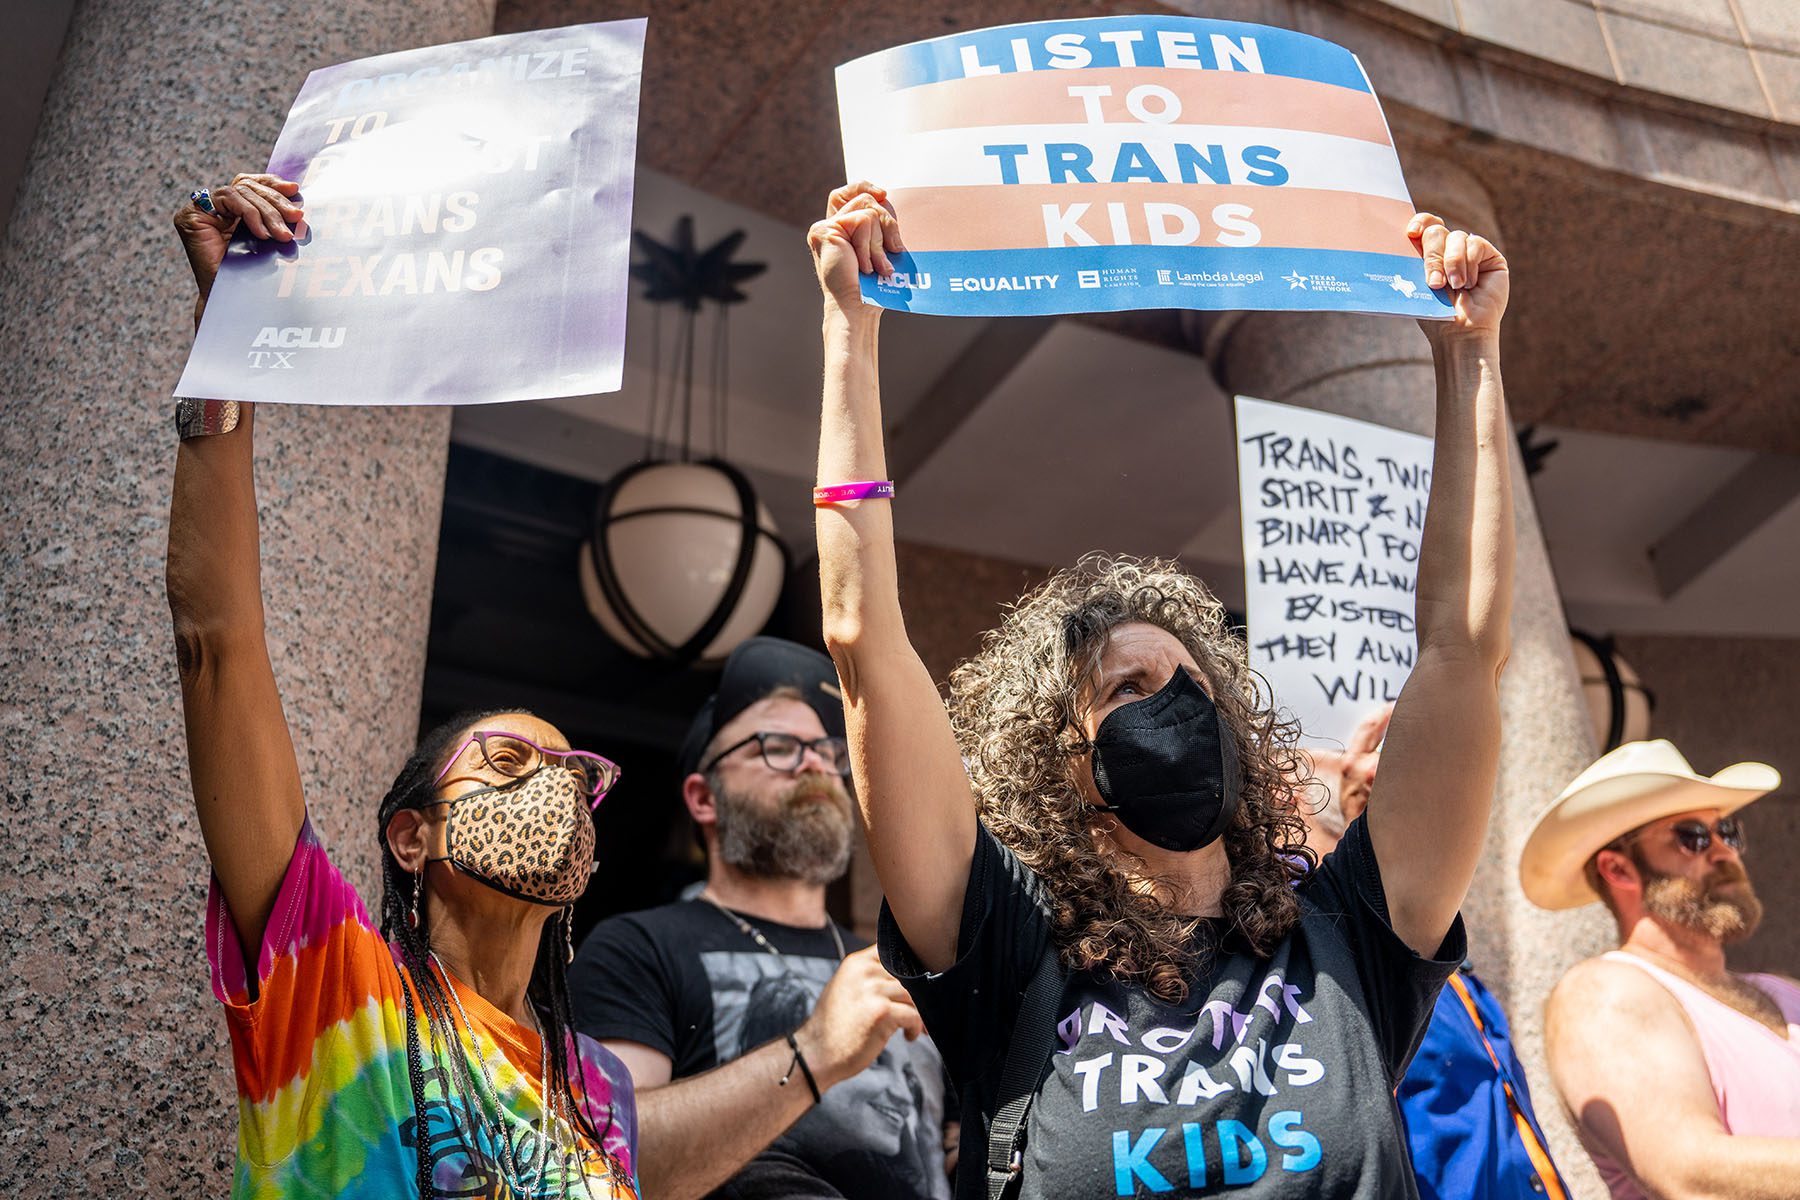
{"x":549,"y":1122}
{"x":756,"y":935}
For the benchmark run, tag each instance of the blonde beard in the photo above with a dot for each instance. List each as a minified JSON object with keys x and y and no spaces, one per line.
{"x":1695,"y":906}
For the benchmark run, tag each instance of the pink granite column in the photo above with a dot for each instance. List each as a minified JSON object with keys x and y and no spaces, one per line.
{"x":116,"y":1073}
{"x":1379,"y":369}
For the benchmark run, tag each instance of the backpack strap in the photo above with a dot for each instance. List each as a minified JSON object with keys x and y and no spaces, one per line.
{"x":1034,"y":1037}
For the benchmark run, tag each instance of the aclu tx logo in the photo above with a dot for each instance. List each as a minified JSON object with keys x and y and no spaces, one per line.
{"x":274,"y":347}
{"x":904,"y":281}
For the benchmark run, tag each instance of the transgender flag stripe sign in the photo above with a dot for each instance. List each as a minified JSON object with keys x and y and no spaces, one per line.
{"x":1133,"y":162}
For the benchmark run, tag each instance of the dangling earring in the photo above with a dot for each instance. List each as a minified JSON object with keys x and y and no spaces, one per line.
{"x":568,"y":924}
{"x":418,"y":887}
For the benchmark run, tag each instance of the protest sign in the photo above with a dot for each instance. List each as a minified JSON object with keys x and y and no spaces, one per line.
{"x":466,"y":238}
{"x":1333,"y":510}
{"x":1132,"y":162}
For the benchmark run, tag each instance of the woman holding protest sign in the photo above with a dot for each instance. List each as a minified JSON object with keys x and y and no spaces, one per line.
{"x":1098,"y":890}
{"x":432,"y":1055}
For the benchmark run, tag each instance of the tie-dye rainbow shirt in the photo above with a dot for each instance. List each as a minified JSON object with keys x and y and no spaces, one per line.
{"x":325,"y":1105}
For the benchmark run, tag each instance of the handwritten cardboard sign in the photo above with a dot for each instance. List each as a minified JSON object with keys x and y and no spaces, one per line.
{"x":468,"y":211}
{"x":1133,"y":162}
{"x":1333,"y":510}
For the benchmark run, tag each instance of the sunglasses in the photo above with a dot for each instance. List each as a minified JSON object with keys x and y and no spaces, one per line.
{"x":514,"y":757}
{"x":785,"y":752}
{"x":1696,"y":837}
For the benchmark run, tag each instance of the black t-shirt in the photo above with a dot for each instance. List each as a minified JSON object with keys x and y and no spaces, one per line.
{"x":684,"y":980}
{"x":1274,"y":1081}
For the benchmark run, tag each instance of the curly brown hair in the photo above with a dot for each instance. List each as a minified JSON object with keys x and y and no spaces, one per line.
{"x":1016,"y":708}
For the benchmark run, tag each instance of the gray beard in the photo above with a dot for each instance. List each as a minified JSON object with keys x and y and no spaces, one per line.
{"x":805,"y":837}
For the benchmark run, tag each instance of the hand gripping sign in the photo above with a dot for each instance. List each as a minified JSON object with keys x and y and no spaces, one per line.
{"x":466,"y":240}
{"x":1333,"y":512}
{"x":1133,"y":162}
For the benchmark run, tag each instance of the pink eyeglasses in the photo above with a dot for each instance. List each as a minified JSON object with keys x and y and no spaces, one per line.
{"x":515,"y":757}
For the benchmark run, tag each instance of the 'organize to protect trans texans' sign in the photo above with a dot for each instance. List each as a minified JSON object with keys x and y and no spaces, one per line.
{"x":466,"y":239}
{"x":1333,"y":510}
{"x":1133,"y":162}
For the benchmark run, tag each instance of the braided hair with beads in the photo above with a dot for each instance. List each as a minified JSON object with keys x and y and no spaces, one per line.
{"x":406,"y":924}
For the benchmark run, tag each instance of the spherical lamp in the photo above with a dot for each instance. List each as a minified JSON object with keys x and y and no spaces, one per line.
{"x":684,"y":561}
{"x":1618,"y":703}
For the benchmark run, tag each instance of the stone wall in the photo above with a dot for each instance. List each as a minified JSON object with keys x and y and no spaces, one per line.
{"x":1741,"y":55}
{"x":116,"y":1075}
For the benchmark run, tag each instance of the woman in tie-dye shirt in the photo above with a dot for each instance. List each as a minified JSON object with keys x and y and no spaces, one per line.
{"x":432,"y":1054}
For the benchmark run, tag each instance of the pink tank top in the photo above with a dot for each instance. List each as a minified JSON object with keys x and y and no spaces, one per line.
{"x":1755,"y":1072}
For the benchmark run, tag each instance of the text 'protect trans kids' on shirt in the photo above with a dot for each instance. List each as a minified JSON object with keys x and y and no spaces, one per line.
{"x":1273,"y":1081}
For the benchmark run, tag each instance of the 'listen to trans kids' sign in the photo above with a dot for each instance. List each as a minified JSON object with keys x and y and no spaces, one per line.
{"x":1133,"y":162}
{"x":466,"y":237}
{"x":1333,"y":511}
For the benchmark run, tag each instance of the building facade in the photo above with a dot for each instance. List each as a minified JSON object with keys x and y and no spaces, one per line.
{"x":1638,"y":161}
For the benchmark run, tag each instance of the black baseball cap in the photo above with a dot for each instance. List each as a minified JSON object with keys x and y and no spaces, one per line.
{"x":757,"y":667}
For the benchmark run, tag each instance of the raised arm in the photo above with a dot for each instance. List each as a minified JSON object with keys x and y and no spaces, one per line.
{"x":1630,"y":1072}
{"x":240,"y":756}
{"x":915,"y":798}
{"x":1430,"y":812}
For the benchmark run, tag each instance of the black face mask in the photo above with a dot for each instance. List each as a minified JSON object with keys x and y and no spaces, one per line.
{"x":1167,"y":767}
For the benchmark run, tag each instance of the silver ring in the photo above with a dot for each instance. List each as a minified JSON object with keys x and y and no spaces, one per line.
{"x":203,"y":201}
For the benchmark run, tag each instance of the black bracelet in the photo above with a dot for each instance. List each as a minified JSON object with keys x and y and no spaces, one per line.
{"x":800,"y":1061}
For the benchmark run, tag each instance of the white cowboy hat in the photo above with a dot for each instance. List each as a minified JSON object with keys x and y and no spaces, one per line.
{"x":1636,"y":784}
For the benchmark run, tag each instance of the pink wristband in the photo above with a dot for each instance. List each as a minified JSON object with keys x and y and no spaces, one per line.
{"x":873,"y":489}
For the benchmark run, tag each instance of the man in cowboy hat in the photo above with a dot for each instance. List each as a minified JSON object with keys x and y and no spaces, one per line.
{"x":1683,"y":1078}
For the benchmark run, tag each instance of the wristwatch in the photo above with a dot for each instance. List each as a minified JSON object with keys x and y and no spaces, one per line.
{"x":202,"y":418}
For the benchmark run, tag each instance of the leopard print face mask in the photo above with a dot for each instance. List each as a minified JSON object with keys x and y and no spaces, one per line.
{"x":533,"y":839}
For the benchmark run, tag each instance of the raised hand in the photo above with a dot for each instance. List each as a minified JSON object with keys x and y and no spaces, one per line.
{"x":1471,"y":267}
{"x":860,"y":1009}
{"x":858,"y":233}
{"x":262,"y":203}
{"x":1349,"y":774}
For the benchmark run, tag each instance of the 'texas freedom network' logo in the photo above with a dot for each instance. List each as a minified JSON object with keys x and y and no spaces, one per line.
{"x":1315,"y":283}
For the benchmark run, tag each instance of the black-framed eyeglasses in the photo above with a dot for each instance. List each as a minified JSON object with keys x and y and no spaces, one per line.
{"x":785,"y":752}
{"x":1696,"y":837}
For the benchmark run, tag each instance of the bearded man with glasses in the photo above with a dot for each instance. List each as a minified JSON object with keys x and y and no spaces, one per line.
{"x":774,"y":1058}
{"x":1682,"y":1076}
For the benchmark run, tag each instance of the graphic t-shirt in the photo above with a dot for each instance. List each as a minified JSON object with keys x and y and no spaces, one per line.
{"x":685,"y":981}
{"x":1274,"y":1080}
{"x":325,"y":1102}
